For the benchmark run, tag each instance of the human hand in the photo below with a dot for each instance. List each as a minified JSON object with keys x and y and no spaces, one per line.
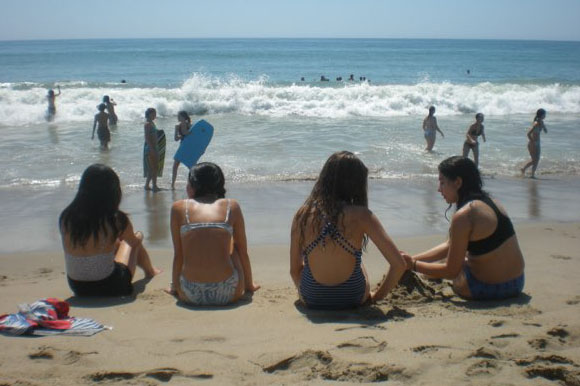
{"x":409,"y":261}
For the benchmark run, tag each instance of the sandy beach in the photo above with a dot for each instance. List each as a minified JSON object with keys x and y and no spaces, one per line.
{"x":421,"y":334}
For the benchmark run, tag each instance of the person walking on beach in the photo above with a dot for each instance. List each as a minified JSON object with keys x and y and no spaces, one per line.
{"x":329,"y":233}
{"x":181,"y":131}
{"x":211,"y":265}
{"x":101,"y":249}
{"x":50,"y":97}
{"x":482,"y":255}
{"x":430,"y":129}
{"x":101,"y":124}
{"x":471,"y":143}
{"x":534,"y":142}
{"x":110,"y":103}
{"x":150,"y":151}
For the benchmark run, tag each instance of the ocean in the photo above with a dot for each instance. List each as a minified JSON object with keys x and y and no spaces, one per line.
{"x":272,"y":127}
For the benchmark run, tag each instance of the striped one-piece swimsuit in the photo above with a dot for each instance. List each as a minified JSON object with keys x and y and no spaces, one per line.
{"x":348,"y":294}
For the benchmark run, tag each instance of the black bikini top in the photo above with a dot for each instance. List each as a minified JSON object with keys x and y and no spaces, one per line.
{"x":503,"y":231}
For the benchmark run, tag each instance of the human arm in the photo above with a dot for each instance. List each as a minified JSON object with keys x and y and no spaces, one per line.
{"x":58,"y":91}
{"x":177,"y":134}
{"x":459,"y":232}
{"x":437,"y":127}
{"x":94,"y":127}
{"x":296,"y":262}
{"x":468,"y":137}
{"x":241,"y":246}
{"x":175,"y":225}
{"x":483,"y":133}
{"x":375,"y":231}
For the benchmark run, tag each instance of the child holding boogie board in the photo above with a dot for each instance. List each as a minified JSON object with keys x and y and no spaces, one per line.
{"x":194,"y":140}
{"x":153,"y":151}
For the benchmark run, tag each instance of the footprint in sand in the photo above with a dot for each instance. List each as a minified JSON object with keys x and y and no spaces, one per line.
{"x":65,"y":357}
{"x":313,"y":364}
{"x":551,"y":367}
{"x":427,"y":348}
{"x":575,"y":300}
{"x":496,"y":323}
{"x":162,"y":375}
{"x":484,"y":367}
{"x":364,"y":345}
{"x":486,"y":353}
{"x":560,"y":257}
{"x":538,"y":344}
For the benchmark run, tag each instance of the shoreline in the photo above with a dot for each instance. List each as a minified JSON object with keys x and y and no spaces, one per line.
{"x":420,"y":334}
{"x":406,"y":208}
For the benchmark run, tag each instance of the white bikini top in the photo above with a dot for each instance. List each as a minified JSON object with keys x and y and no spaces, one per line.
{"x":191,"y":226}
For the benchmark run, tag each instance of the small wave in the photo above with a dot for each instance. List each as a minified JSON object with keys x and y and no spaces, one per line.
{"x":25,"y":103}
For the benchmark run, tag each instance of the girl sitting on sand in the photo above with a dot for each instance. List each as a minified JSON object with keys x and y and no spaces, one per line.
{"x":100,"y":248}
{"x":211,"y":265}
{"x":329,"y":233}
{"x":482,"y":255}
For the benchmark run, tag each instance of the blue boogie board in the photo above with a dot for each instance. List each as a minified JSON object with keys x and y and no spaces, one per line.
{"x":194,"y":144}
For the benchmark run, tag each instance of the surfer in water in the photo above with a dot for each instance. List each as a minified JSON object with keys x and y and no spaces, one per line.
{"x":100,"y":123}
{"x":181,"y":131}
{"x":151,"y":151}
{"x":50,"y":97}
{"x":430,"y":129}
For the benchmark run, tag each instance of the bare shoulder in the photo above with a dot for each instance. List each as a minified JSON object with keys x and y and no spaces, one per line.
{"x":357,"y":213}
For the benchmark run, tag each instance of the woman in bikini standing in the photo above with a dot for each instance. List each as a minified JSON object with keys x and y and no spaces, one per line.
{"x":211,"y":265}
{"x":482,"y":255}
{"x":330,"y":232}
{"x":471,"y":143}
{"x":181,"y":131}
{"x":534,"y":142}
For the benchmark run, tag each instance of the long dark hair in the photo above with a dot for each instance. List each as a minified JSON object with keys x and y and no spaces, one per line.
{"x":95,"y":208}
{"x":471,"y":186}
{"x":207,"y":178}
{"x":342,"y":181}
{"x":540,"y":112}
{"x":185,"y":115}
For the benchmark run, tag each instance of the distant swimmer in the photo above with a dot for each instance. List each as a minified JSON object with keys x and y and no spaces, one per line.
{"x":468,"y":71}
{"x":534,"y":142}
{"x":110,"y":103}
{"x":123,"y":81}
{"x":339,"y":79}
{"x":351,"y":77}
{"x":302,"y":79}
{"x":50,"y":97}
{"x":100,"y":123}
{"x":474,"y":131}
{"x":323,"y":78}
{"x":430,"y":129}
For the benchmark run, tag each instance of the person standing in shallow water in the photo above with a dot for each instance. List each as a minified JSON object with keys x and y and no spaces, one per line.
{"x":101,"y":124}
{"x":151,"y":149}
{"x":110,"y":103}
{"x":534,"y":142}
{"x":181,"y":131}
{"x":474,"y":131}
{"x":430,"y":129}
{"x":50,"y":97}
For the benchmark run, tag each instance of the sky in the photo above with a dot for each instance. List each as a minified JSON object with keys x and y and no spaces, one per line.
{"x":441,"y":19}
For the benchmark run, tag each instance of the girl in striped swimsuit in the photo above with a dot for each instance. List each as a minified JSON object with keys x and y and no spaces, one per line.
{"x":329,"y":233}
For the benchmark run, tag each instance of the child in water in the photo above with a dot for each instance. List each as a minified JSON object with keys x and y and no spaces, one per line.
{"x":110,"y":104}
{"x":100,"y":123}
{"x":50,"y":97}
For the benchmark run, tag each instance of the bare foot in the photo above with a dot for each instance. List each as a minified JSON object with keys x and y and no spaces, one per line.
{"x":147,"y":187}
{"x":156,"y":271}
{"x":156,"y":189}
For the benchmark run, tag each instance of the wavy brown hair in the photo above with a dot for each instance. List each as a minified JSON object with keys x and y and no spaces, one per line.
{"x":342,"y":181}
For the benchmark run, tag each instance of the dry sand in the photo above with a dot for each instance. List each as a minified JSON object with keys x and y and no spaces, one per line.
{"x":421,"y":334}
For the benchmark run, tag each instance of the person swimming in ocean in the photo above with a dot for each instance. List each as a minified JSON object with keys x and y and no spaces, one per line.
{"x":50,"y":97}
{"x":100,"y":123}
{"x":474,"y":131}
{"x":430,"y":129}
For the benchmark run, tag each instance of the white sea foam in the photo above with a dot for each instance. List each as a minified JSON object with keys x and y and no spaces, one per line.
{"x":25,"y":103}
